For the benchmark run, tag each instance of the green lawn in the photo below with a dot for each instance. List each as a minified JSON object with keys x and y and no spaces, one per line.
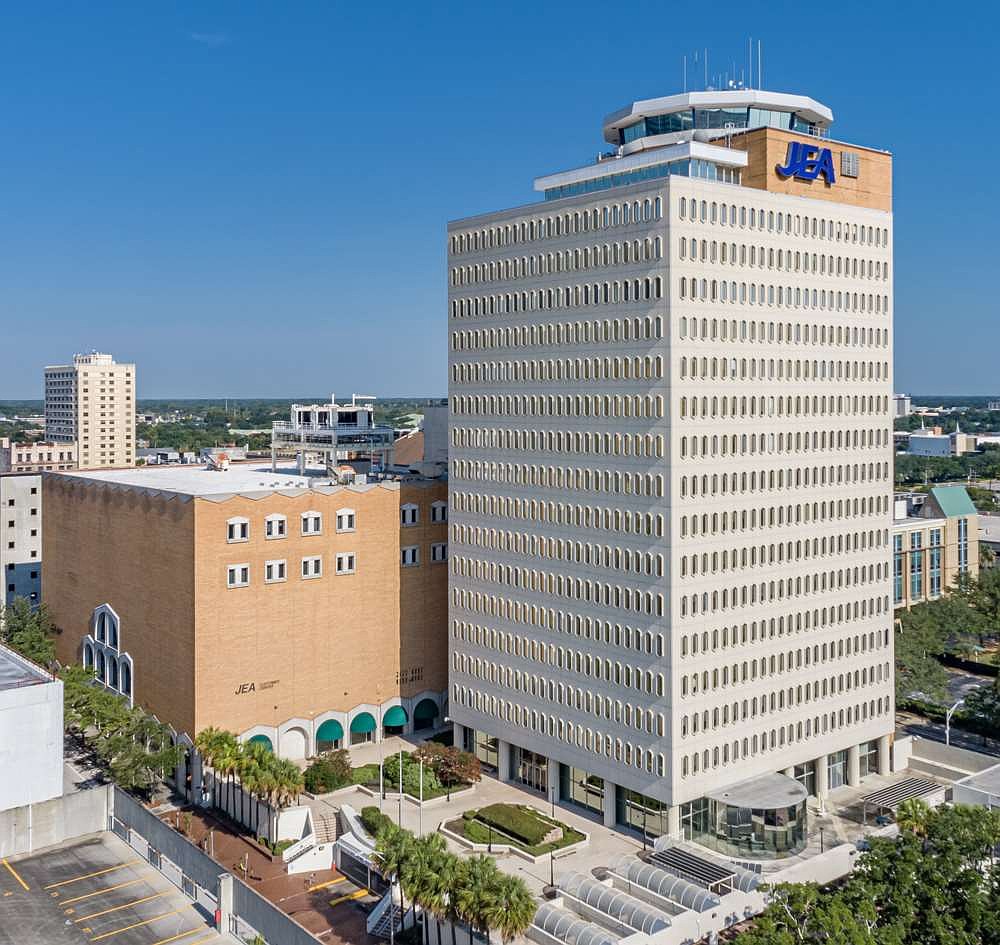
{"x":520,"y":823}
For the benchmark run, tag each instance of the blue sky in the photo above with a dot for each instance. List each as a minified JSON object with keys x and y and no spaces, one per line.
{"x":250,"y":199}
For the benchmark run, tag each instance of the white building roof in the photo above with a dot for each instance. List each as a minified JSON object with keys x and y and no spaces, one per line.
{"x":248,"y":479}
{"x":15,"y":671}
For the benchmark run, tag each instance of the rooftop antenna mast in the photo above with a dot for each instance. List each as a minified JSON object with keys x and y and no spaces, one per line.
{"x":706,"y":68}
{"x":760,"y":67}
{"x":750,"y":59}
{"x":685,"y":72}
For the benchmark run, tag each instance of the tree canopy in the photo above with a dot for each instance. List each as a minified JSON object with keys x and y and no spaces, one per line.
{"x":936,"y":883}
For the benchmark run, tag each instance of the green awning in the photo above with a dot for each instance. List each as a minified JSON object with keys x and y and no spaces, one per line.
{"x":330,"y":731}
{"x":426,"y":709}
{"x":395,"y":717}
{"x":362,"y":724}
{"x":262,"y":740}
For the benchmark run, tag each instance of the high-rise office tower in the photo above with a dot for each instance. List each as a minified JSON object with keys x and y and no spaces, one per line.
{"x":671,"y":472}
{"x":91,"y":402}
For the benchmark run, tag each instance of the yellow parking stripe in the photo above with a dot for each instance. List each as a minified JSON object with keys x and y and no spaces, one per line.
{"x":212,"y":936}
{"x":134,"y":902}
{"x":194,"y":931}
{"x":101,"y":892}
{"x":331,"y":882}
{"x":136,"y":925}
{"x":357,"y":894}
{"x":13,"y":872}
{"x":77,"y":879}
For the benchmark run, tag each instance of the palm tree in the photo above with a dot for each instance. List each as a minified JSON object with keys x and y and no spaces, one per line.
{"x":393,"y":847}
{"x":450,"y":875}
{"x":418,"y":871}
{"x":475,"y":893}
{"x":913,"y":815}
{"x":511,"y":908}
{"x":227,"y":764}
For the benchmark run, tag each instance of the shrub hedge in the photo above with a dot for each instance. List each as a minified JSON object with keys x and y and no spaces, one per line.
{"x":373,"y":820}
{"x":517,"y":821}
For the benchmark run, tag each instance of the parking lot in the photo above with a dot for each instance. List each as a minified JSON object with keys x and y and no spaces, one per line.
{"x":96,"y":889}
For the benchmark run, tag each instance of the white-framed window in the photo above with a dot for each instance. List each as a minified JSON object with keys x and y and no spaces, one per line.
{"x":238,"y":575}
{"x":275,"y":572}
{"x":345,"y":520}
{"x":345,"y":562}
{"x":275,"y":526}
{"x":439,"y":551}
{"x":410,"y":556}
{"x":312,"y":523}
{"x":312,"y":567}
{"x":237,"y":529}
{"x":409,"y":514}
{"x":439,"y":511}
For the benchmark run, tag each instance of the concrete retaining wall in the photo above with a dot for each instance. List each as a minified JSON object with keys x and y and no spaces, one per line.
{"x":29,"y":828}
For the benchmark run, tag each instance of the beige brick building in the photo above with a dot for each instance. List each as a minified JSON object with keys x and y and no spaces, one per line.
{"x":36,"y":456}
{"x":935,"y":540}
{"x":293,"y":609}
{"x":91,"y":403}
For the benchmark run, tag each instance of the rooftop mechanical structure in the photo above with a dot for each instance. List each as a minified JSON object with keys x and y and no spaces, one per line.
{"x":337,"y":433}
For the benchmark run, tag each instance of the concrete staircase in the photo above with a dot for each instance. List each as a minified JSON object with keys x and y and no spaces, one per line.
{"x":327,"y":828}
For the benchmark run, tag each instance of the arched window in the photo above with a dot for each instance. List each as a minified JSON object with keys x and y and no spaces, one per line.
{"x":125,"y":677}
{"x":238,"y":529}
{"x":345,"y":520}
{"x":88,"y":656}
{"x":275,"y":526}
{"x":99,"y":665}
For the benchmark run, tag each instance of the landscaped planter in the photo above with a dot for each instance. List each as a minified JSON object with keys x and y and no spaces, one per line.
{"x":504,"y":844}
{"x":429,"y":802}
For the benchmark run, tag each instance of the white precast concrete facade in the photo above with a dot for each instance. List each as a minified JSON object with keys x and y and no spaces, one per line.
{"x":670,"y":469}
{"x":31,"y":733}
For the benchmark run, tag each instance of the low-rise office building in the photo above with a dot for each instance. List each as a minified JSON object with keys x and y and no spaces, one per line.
{"x":36,"y":456}
{"x":297,"y":610}
{"x":21,"y":536}
{"x":31,"y":732}
{"x":935,"y":540}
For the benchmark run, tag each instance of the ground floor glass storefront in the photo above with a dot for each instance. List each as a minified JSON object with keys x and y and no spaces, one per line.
{"x":638,"y":812}
{"x":761,"y":833}
{"x":578,"y":787}
{"x":868,"y":758}
{"x":806,"y":776}
{"x":485,"y":747}
{"x":837,"y":769}
{"x":529,"y":768}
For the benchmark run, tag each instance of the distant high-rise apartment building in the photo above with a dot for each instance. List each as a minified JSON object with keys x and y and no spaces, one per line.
{"x":91,"y":402}
{"x":671,"y":473}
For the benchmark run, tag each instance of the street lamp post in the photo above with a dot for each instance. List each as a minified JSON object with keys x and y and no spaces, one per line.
{"x":947,"y":721}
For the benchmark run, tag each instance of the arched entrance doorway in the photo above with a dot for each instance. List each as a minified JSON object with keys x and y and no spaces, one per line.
{"x":329,"y":736}
{"x":394,"y":720}
{"x":425,"y":715}
{"x":362,"y":728}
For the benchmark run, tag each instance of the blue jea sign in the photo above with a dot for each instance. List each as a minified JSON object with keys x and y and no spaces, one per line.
{"x":807,"y":162}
